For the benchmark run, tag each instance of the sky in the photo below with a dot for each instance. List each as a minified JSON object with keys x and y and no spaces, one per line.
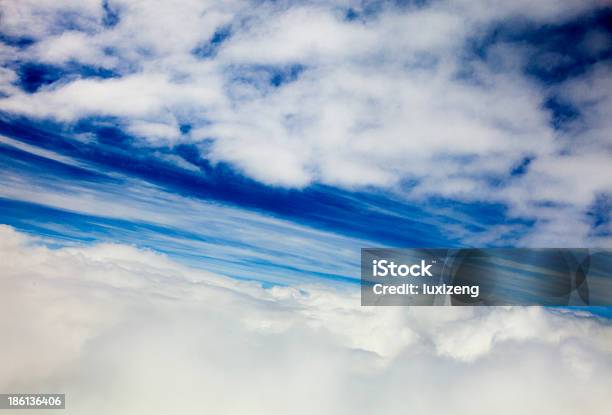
{"x":160,"y":160}
{"x":214,"y":131}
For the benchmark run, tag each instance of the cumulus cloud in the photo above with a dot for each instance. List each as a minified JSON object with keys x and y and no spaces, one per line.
{"x":124,"y":330}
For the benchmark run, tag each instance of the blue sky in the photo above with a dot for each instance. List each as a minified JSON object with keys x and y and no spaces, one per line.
{"x":249,"y":144}
{"x":150,"y":149}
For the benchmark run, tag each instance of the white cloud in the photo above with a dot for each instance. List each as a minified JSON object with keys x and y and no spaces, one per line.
{"x":155,"y":130}
{"x":123,"y":330}
{"x":139,"y":95}
{"x":72,"y":45}
{"x":33,"y":18}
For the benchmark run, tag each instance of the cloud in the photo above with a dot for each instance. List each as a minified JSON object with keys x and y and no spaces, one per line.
{"x":131,"y":96}
{"x":125,"y":330}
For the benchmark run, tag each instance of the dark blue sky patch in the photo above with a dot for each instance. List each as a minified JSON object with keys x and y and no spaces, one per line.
{"x":45,"y":134}
{"x":210,"y":48}
{"x":16,"y":41}
{"x":351,"y":15}
{"x":106,"y":130}
{"x":555,"y":52}
{"x":185,"y":128}
{"x":562,"y":112}
{"x":520,"y":168}
{"x":284,"y":75}
{"x":110,"y":17}
{"x":33,"y":76}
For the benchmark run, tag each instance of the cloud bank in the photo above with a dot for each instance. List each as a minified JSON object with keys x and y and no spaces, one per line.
{"x":127,"y":331}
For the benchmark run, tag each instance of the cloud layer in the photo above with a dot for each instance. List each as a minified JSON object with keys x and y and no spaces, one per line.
{"x":124,"y":330}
